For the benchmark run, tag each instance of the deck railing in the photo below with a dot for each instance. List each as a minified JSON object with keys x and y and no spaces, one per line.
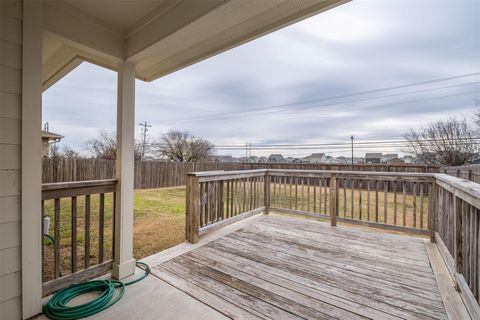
{"x":445,"y":208}
{"x":458,"y":235}
{"x":392,"y":200}
{"x":74,"y":209}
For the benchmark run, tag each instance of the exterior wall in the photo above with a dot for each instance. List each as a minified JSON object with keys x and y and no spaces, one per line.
{"x":10,"y":158}
{"x":45,"y":148}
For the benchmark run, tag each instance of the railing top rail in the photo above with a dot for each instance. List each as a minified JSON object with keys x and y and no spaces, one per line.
{"x":238,"y":174}
{"x":354,"y":173}
{"x":78,"y":184}
{"x":224,"y":173}
{"x":466,"y":190}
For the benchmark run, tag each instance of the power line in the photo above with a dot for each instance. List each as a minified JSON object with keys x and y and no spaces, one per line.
{"x":252,"y":110}
{"x":341,"y":146}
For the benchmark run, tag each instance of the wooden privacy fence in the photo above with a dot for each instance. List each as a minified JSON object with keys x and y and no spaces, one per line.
{"x":158,"y":174}
{"x":445,"y":208}
{"x":76,"y":256}
{"x":469,"y":172}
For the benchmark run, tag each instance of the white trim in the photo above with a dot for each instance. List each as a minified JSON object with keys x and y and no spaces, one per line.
{"x":124,"y":265}
{"x":31,"y":158}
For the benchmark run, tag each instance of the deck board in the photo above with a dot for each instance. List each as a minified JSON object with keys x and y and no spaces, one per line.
{"x":288,"y":268}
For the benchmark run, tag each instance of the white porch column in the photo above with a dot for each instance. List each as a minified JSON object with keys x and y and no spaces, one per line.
{"x":124,"y":264}
{"x":32,"y":158}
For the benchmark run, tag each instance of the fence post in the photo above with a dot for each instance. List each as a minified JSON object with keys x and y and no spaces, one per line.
{"x":192,"y":218}
{"x":266,"y":192}
{"x":333,"y":200}
{"x":457,"y":237}
{"x":470,"y":175}
{"x":433,"y":210}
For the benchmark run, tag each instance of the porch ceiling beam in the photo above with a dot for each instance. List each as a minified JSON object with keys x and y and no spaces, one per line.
{"x":83,"y":32}
{"x":58,"y":65}
{"x":169,"y":18}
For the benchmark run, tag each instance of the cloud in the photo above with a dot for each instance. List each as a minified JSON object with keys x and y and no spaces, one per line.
{"x":359,"y":46}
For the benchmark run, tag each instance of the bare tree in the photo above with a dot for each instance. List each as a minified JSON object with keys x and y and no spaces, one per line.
{"x":181,"y":146}
{"x":68,"y":152}
{"x":446,"y":142}
{"x":104,"y":146}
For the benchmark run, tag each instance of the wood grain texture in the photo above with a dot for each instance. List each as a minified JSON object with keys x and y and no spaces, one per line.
{"x":288,"y":268}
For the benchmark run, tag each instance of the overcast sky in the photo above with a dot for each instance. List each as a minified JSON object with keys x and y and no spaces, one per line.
{"x":252,"y":93}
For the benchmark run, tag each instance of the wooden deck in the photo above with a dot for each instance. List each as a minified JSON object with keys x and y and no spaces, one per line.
{"x":280,"y":267}
{"x":289,"y":268}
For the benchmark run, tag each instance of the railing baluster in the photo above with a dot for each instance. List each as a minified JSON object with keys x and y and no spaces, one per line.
{"x":345,"y":197}
{"x":314,"y":195}
{"x":368,"y":200}
{"x":320,"y":194}
{"x":296,"y":193}
{"x":56,"y":220}
{"x":360,"y":193}
{"x":74,"y":234}
{"x":395,"y":202}
{"x":290,"y":183}
{"x":308,"y":194}
{"x":414,"y":204}
{"x":325,"y":194}
{"x":274,"y":191}
{"x":255,"y":204}
{"x":377,"y":182}
{"x":101,"y":227}
{"x":232,"y":194}
{"x":404,"y":199}
{"x":87,"y":231}
{"x":302,"y":196}
{"x":42,"y":205}
{"x":385,"y":207}
{"x":421,"y":204}
{"x":352,"y":196}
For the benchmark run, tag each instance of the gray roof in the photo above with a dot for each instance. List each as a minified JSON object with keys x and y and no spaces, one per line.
{"x":51,"y":135}
{"x":373,"y":155}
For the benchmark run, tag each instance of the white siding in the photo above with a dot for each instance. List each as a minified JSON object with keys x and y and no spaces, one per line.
{"x":10,"y":158}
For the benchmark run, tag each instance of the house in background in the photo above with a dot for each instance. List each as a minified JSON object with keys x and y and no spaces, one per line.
{"x":397,"y":161}
{"x":316,"y":158}
{"x":276,"y":158}
{"x":49,"y":138}
{"x":373,"y":157}
{"x":386,"y":158}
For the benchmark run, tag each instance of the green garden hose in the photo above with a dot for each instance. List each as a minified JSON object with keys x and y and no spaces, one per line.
{"x":57,"y":308}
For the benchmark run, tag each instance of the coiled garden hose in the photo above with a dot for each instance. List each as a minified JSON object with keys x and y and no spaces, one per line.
{"x":57,"y":307}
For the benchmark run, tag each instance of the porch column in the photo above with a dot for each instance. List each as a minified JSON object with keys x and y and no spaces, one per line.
{"x":124,"y":264}
{"x":31,"y":180}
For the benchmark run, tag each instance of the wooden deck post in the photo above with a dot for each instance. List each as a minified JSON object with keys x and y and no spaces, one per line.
{"x":432,"y":210}
{"x":457,"y":238}
{"x":266,"y":192}
{"x":192,"y":218}
{"x":333,"y":200}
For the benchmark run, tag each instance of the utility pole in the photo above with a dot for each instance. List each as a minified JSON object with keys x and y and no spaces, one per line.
{"x":248,"y":151}
{"x":351,"y":138}
{"x":144,"y":133}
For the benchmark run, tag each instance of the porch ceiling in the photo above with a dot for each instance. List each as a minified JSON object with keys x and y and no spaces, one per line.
{"x":159,"y":36}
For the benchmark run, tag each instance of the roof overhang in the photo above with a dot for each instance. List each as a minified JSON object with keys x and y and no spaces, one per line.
{"x":158,"y":36}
